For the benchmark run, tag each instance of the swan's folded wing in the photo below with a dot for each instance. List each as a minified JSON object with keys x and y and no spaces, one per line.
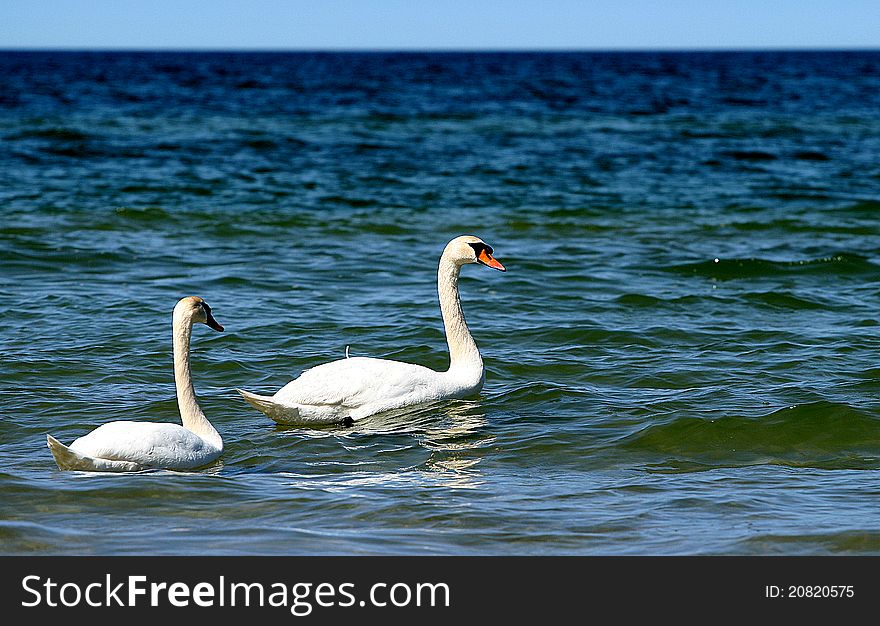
{"x":359,"y":381}
{"x":146,"y":443}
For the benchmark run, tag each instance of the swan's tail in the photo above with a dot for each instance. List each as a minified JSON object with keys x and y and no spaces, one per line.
{"x":278,"y":412}
{"x":68,"y":459}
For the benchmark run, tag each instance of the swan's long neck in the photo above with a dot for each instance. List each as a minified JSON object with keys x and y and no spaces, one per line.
{"x":191,"y":414}
{"x":463,"y":351}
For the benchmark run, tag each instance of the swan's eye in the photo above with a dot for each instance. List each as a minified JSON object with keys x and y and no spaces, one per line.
{"x":480,"y":247}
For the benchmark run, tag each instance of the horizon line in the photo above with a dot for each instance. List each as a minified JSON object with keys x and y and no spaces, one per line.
{"x":440,"y":50}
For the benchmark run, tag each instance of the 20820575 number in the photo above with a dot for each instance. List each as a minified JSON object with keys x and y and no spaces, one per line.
{"x":821,"y":591}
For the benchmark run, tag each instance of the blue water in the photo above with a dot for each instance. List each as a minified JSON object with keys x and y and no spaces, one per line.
{"x":681,"y":358}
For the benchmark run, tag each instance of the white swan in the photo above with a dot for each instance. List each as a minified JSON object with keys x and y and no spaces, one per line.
{"x":353,"y":388}
{"x":132,"y":446}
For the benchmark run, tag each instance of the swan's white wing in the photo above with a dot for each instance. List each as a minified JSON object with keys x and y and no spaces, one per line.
{"x":148,"y":444}
{"x":360,"y":381}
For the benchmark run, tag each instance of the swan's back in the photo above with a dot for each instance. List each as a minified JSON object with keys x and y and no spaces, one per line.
{"x":361,"y":381}
{"x":148,"y":444}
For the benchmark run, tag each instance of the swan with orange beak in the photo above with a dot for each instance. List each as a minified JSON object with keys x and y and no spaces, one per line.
{"x":353,"y":388}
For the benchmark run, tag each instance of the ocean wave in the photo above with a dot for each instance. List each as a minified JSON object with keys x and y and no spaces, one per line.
{"x":797,"y":225}
{"x":817,"y":434}
{"x":643,"y":300}
{"x":146,"y":214}
{"x":55,"y":133}
{"x":749,"y":155}
{"x":870,"y":207}
{"x":811,"y":155}
{"x":534,"y":393}
{"x":729,"y":269}
{"x":786,"y":300}
{"x":852,"y":541}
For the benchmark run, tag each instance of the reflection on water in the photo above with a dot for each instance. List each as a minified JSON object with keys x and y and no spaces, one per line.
{"x":453,"y":431}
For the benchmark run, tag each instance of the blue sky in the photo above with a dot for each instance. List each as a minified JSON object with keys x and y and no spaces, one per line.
{"x":439,"y":24}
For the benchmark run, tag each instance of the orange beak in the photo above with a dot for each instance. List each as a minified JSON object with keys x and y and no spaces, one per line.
{"x":490,"y":261}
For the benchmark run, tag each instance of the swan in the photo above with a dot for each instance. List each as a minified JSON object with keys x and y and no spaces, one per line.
{"x":352,"y":388}
{"x":126,"y":446}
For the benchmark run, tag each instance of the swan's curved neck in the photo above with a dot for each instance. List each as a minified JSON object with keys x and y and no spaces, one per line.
{"x":191,"y":414}
{"x":463,"y":351}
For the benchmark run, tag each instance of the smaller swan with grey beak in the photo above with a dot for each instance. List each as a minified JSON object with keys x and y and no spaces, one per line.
{"x":126,"y":446}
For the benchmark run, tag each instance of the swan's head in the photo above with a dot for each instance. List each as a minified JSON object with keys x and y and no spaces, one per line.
{"x":469,"y":249}
{"x":197,"y":311}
